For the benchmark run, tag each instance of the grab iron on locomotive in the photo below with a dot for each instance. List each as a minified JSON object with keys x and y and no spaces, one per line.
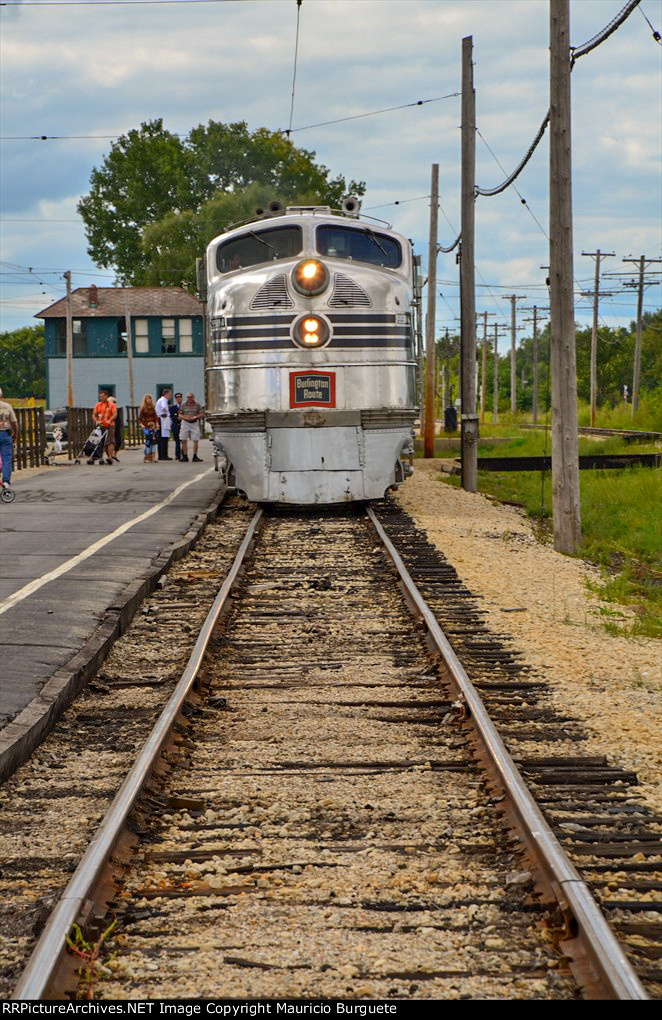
{"x":311,"y":355}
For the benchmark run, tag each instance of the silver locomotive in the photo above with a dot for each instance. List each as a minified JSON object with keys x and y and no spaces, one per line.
{"x":311,"y":360}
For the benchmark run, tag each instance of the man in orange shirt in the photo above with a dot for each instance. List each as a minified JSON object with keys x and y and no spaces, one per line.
{"x":105,"y":413}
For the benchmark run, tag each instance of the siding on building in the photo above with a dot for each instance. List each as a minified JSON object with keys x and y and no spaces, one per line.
{"x":184,"y":373}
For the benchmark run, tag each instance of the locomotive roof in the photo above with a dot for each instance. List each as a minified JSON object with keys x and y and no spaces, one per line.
{"x":320,"y":214}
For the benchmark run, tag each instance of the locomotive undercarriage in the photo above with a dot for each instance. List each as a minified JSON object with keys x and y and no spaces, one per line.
{"x":312,"y":456}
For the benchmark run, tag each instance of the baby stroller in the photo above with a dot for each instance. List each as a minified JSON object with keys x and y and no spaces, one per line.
{"x":54,"y":448}
{"x":7,"y":494}
{"x":93,"y":446}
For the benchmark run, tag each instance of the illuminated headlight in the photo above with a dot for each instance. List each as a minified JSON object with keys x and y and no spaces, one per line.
{"x":310,"y":277}
{"x":311,"y":331}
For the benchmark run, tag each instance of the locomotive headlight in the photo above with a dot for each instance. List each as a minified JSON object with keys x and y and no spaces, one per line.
{"x":310,"y":277}
{"x":310,"y":331}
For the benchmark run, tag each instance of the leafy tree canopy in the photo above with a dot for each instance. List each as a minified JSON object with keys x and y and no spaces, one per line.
{"x":152,"y":176}
{"x":22,"y":362}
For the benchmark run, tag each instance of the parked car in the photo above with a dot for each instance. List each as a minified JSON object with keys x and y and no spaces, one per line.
{"x":56,"y":418}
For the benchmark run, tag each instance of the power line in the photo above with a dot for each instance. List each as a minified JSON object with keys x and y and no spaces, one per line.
{"x":656,"y":34}
{"x":576,"y":52}
{"x":109,"y":3}
{"x":519,"y":194}
{"x":294,"y":73}
{"x":180,"y":134}
{"x":374,"y":113}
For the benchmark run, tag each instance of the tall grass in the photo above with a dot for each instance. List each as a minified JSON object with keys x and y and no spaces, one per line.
{"x":621,"y":514}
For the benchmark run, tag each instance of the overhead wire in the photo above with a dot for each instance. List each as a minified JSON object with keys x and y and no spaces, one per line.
{"x":294,"y":73}
{"x":656,"y":34}
{"x":575,"y":53}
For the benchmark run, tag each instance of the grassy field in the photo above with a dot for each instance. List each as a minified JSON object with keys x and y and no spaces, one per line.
{"x":621,"y":515}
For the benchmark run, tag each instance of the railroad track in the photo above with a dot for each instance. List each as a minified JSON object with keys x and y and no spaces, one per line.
{"x":314,"y":817}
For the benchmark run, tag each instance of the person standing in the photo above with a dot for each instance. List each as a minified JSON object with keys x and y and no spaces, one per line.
{"x":175,"y":409}
{"x":149,"y":422}
{"x":119,"y":429}
{"x":163,"y":414}
{"x":8,"y":436}
{"x":105,"y":414}
{"x":191,"y":414}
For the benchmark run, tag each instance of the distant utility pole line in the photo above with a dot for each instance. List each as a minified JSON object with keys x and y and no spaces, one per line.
{"x":642,"y":262}
{"x":513,"y":298}
{"x":428,"y":431}
{"x":536,"y":312}
{"x":563,"y":362}
{"x":598,"y":256}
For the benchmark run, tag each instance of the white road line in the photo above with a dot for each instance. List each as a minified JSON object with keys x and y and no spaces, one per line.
{"x":68,"y":565}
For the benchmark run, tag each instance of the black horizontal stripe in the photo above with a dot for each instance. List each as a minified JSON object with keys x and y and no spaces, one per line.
{"x":279,"y":345}
{"x":374,"y":330}
{"x":359,"y":317}
{"x":268,"y":331}
{"x":259,"y":320}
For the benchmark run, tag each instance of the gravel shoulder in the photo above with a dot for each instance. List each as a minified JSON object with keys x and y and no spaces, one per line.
{"x":612,"y":684}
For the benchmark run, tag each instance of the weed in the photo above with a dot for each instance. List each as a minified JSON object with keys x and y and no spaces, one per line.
{"x":89,"y":971}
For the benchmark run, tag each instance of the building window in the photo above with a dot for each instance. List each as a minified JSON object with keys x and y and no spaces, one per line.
{"x":79,"y":336}
{"x":168,"y":337}
{"x":160,"y":387}
{"x":121,"y":336}
{"x":141,"y":335}
{"x":186,"y":336}
{"x":108,"y":387}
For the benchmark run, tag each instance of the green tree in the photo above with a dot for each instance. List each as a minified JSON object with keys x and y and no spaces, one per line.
{"x":152,"y":176}
{"x":23,"y":363}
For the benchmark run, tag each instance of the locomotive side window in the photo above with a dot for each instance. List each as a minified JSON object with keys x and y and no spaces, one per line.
{"x":257,"y":246}
{"x":361,"y":245}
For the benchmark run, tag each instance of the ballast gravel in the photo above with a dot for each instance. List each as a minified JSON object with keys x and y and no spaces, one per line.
{"x":540,"y":598}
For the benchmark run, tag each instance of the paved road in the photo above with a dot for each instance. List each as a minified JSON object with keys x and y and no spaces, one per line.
{"x":63,"y":522}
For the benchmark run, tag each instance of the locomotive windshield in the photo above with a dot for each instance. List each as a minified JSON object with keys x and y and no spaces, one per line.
{"x":359,"y":244}
{"x":258,"y":246}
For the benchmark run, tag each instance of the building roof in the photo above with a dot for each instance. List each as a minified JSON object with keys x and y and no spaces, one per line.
{"x":111,"y":301}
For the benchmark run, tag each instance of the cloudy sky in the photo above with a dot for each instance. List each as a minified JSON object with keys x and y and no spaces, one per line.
{"x":99,"y":68}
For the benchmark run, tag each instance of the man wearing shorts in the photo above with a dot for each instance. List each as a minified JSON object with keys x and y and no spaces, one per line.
{"x":105,"y":414}
{"x":190,"y":414}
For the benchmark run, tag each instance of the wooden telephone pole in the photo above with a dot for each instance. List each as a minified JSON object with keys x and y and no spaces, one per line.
{"x":129,"y":347}
{"x":513,"y":298}
{"x":536,"y":311}
{"x":428,"y":434}
{"x":642,"y":262}
{"x":495,"y":395}
{"x":563,"y":367}
{"x":598,"y":256}
{"x":69,"y":343}
{"x":469,"y":418}
{"x":483,"y":377}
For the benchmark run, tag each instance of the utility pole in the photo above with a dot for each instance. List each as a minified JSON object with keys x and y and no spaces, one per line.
{"x":69,"y":343}
{"x":642,"y":262}
{"x":483,"y":379}
{"x":513,"y":355}
{"x":598,"y":256}
{"x":129,"y":347}
{"x":563,"y":366}
{"x":469,"y":418}
{"x":428,"y":435}
{"x":495,"y":395}
{"x":536,"y":310}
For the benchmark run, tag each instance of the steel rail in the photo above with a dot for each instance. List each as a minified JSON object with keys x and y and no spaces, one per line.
{"x":612,"y":970}
{"x":51,"y":947}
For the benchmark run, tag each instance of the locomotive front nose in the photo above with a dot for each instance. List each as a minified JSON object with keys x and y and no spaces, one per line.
{"x":310,"y":277}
